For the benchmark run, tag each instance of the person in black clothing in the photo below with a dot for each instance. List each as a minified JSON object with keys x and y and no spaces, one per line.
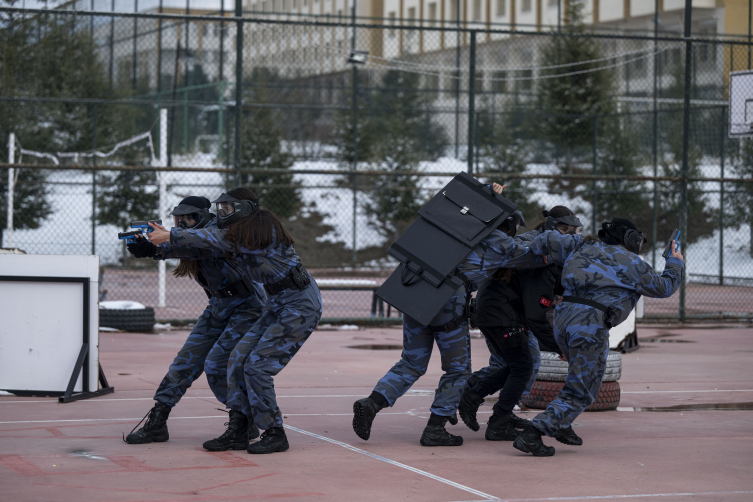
{"x":511,"y":306}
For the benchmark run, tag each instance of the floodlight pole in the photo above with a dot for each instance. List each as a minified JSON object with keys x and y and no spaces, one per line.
{"x":162,"y":197}
{"x":685,"y":146}
{"x":471,"y":100}
{"x":11,"y":174}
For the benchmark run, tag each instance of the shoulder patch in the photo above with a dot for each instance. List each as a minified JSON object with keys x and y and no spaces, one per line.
{"x":545,"y":301}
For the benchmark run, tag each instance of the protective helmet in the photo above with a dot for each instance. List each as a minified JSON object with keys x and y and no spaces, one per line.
{"x":230,"y":209}
{"x":511,"y":223}
{"x":197,"y":208}
{"x":551,"y":222}
{"x":621,"y":231}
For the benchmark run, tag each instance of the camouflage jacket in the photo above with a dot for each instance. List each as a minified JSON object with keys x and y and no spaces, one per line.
{"x":265,"y":266}
{"x":607,"y":274}
{"x":216,"y":273}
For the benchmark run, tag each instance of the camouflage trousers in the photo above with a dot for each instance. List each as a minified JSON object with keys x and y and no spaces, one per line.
{"x":418,"y":342}
{"x":496,"y":361}
{"x":207,"y":349}
{"x":578,"y":329}
{"x":265,"y":350}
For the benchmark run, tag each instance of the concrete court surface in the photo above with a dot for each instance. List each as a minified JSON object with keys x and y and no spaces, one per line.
{"x":74,"y":452}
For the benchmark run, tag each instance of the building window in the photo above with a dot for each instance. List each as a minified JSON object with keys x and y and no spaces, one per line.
{"x":526,"y":6}
{"x":451,"y":80}
{"x":501,"y":8}
{"x":432,"y":14}
{"x":477,"y":10}
{"x":499,"y":84}
{"x":553,"y":3}
{"x":526,"y":84}
{"x":392,"y":23}
{"x":478,"y":82}
{"x":453,"y":10}
{"x":431,"y":85}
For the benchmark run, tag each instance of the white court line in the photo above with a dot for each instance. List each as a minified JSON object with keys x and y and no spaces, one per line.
{"x":398,"y":464}
{"x":55,"y":400}
{"x":416,"y":394}
{"x":636,"y":496}
{"x":187,"y":418}
{"x":681,"y":391}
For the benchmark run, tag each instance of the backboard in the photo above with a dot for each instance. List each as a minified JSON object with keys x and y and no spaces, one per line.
{"x":741,"y":104}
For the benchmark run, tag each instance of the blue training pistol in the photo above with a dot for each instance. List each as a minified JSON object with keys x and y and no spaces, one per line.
{"x":674,"y":238}
{"x":142,"y":228}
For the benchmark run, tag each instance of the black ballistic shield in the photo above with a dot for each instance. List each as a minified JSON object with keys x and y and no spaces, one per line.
{"x":449,"y":226}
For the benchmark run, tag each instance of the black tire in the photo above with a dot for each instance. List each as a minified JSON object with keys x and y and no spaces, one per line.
{"x":133,"y":320}
{"x":553,"y":369}
{"x":544,"y":393}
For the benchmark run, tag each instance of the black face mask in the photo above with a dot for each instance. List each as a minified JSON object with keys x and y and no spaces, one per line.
{"x":200,"y":215}
{"x":551,"y":222}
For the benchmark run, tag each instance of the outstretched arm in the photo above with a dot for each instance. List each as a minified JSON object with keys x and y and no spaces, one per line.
{"x":655,"y":285}
{"x":212,"y":239}
{"x":556,"y":246}
{"x":167,"y":250}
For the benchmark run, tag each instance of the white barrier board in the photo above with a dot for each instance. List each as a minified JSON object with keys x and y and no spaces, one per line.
{"x":45,"y":310}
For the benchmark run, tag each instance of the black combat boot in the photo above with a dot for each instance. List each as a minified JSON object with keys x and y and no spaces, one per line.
{"x":435,"y":434}
{"x":529,"y":441}
{"x":519,"y":423}
{"x":235,"y":436}
{"x":272,"y":440}
{"x":364,"y":411}
{"x":470,"y":402}
{"x":568,"y":436}
{"x":155,"y":428}
{"x":500,"y":428}
{"x":253,"y":430}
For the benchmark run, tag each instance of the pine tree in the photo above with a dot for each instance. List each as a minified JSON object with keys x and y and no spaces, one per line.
{"x":46,"y":56}
{"x":503,"y":149}
{"x":395,"y":134}
{"x":568,"y":99}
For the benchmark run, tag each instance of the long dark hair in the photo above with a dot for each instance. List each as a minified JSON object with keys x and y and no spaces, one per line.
{"x":187,"y":268}
{"x":556,"y":212}
{"x":257,"y":230}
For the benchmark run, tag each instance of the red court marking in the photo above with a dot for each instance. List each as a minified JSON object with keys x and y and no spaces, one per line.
{"x":56,"y":433}
{"x":24,"y":467}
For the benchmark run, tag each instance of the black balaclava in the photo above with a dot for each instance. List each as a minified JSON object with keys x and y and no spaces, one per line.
{"x":622,"y":232}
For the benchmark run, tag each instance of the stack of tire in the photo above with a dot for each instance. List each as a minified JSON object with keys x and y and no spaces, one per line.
{"x":551,"y":379}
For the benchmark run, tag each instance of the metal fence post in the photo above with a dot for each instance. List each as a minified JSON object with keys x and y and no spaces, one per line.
{"x":355,"y":140}
{"x":11,"y":182}
{"x":94,"y":179}
{"x":134,"y":76}
{"x":112,"y":43}
{"x":654,"y":229}
{"x":457,"y":78}
{"x":162,"y":201}
{"x":159,"y":53}
{"x":593,"y":171}
{"x":471,"y":100}
{"x":238,"y":87}
{"x":722,"y":151}
{"x":685,"y":146}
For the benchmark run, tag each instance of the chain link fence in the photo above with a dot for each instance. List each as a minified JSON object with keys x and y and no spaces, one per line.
{"x":346,"y":151}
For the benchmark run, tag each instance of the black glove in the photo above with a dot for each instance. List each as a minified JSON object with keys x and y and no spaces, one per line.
{"x":142,"y":248}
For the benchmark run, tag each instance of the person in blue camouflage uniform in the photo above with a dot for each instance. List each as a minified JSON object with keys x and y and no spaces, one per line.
{"x":223,"y":323}
{"x":450,"y":331}
{"x":603,"y":281}
{"x":260,"y":244}
{"x":537,"y":289}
